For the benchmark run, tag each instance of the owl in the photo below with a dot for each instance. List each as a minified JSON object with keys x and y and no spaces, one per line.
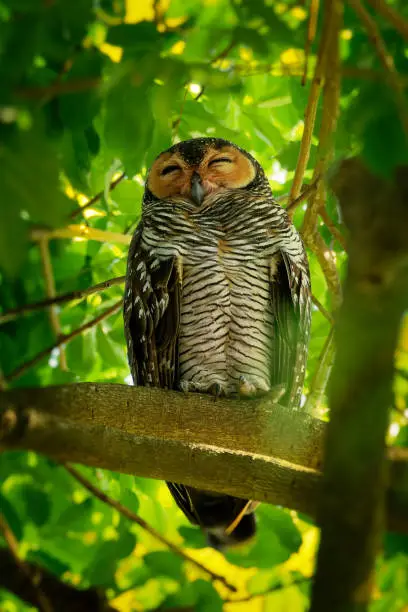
{"x":217,"y":297}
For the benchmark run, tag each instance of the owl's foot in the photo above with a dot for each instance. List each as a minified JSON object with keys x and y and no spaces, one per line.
{"x":254,"y":386}
{"x":216,"y":389}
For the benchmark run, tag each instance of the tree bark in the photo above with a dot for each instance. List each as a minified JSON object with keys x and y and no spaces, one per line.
{"x":253,"y":450}
{"x":62,"y":597}
{"x":352,"y":502}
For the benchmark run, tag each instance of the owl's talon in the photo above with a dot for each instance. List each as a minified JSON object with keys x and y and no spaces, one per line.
{"x":217,"y":390}
{"x":252,"y":387}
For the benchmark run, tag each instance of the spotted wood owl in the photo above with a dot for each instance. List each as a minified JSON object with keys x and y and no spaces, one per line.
{"x":217,"y":297}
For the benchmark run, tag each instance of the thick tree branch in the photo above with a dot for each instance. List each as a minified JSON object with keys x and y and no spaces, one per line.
{"x":253,"y":450}
{"x":29,"y":573}
{"x":62,"y":597}
{"x":351,"y":511}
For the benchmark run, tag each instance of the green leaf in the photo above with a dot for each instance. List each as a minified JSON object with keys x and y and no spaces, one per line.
{"x":276,"y":539}
{"x":107,"y":555}
{"x":164,"y":563}
{"x":37,"y":505}
{"x":193,"y":536}
{"x":252,"y":38}
{"x":54,"y":565}
{"x":135,"y":37}
{"x":11,"y":517}
{"x":29,"y":175}
{"x":81,"y":352}
{"x":111,"y":353}
{"x":128,"y":123}
{"x":128,"y":197}
{"x":78,"y":109}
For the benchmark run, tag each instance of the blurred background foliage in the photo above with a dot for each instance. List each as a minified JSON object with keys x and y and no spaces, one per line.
{"x":94,"y":89}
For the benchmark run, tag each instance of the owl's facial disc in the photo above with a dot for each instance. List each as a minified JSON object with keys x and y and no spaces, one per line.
{"x":172,"y":175}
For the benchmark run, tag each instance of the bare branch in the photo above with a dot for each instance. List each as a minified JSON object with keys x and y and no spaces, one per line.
{"x":80,"y":231}
{"x":59,"y":88}
{"x":277,"y":587}
{"x":50,"y":291}
{"x":311,"y":108}
{"x":34,"y":577}
{"x":386,"y":59}
{"x":321,"y":374}
{"x":292,"y":206}
{"x":327,"y":260}
{"x":322,"y":309}
{"x":77,"y":294}
{"x":97,"y":197}
{"x":144,"y":525}
{"x":64,"y":339}
{"x":311,"y":33}
{"x":331,"y":94}
{"x":337,"y":235}
{"x":63,"y":597}
{"x":391,"y":15}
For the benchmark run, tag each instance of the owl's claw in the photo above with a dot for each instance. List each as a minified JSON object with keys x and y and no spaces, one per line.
{"x":216,"y":389}
{"x":252,"y":387}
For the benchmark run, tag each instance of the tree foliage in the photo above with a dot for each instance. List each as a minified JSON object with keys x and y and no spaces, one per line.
{"x":92,"y":90}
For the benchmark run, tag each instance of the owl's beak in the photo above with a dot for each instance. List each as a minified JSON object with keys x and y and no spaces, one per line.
{"x":197,"y":189}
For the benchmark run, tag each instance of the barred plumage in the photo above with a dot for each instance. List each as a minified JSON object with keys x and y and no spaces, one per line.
{"x":217,"y":298}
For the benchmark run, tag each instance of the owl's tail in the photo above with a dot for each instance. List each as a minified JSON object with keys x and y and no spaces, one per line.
{"x":220,"y":538}
{"x":226,"y":520}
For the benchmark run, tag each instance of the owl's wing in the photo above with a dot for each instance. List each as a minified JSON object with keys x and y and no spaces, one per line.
{"x":290,"y":293}
{"x":151,"y":316}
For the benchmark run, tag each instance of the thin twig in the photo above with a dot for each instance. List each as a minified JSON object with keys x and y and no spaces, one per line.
{"x":34,"y":577}
{"x":309,"y":189}
{"x":331,"y":95}
{"x":50,"y":291}
{"x":296,"y":71}
{"x":273,"y":589}
{"x":392,"y":16}
{"x":177,"y":121}
{"x":335,"y":232}
{"x":321,"y":374}
{"x":386,"y":59}
{"x":311,"y":33}
{"x":80,"y":231}
{"x":3,"y":382}
{"x":327,"y":261}
{"x":97,"y":197}
{"x":62,"y":340}
{"x":144,"y":525}
{"x":311,"y":108}
{"x":58,"y":89}
{"x":322,"y":309}
{"x":77,"y":294}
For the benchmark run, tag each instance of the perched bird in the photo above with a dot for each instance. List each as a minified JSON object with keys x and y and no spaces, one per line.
{"x":217,"y":297}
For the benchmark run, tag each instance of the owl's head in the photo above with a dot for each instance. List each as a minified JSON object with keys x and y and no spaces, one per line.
{"x":196,"y":168}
